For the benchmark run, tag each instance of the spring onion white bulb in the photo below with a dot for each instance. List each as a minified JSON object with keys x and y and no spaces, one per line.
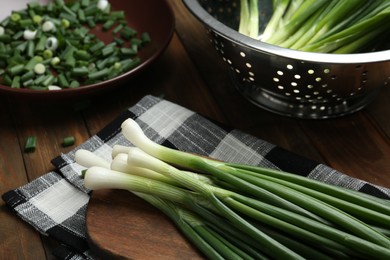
{"x":54,"y":87}
{"x":48,"y":26}
{"x":51,"y":43}
{"x":119,"y":163}
{"x":102,"y":4}
{"x":55,"y":61}
{"x":39,"y":68}
{"x":88,"y":159}
{"x":102,"y":178}
{"x":29,"y":34}
{"x":117,"y":149}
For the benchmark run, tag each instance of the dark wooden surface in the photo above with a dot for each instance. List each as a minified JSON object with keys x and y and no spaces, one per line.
{"x":137,"y":229}
{"x":191,"y":74}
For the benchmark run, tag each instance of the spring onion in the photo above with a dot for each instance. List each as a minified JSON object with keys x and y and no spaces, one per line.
{"x":59,"y":33}
{"x":335,"y":26}
{"x":233,"y":211}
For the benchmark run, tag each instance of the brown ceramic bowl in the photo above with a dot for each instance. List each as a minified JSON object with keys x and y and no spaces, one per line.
{"x":153,"y":16}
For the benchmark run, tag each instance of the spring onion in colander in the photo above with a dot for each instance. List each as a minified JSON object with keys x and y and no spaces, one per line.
{"x":238,"y":211}
{"x":335,"y":26}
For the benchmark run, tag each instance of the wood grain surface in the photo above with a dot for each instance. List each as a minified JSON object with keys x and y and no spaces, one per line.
{"x":133,"y":229}
{"x":191,"y":74}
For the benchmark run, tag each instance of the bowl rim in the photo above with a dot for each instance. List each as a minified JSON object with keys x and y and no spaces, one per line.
{"x":233,"y":35}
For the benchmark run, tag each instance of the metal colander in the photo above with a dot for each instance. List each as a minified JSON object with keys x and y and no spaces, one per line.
{"x":289,"y":82}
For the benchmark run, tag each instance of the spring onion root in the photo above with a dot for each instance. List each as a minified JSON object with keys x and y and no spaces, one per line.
{"x":235,"y":211}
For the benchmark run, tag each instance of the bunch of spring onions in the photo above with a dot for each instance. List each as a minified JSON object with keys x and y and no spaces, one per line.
{"x":234,"y":211}
{"x":327,"y":26}
{"x":53,"y":46}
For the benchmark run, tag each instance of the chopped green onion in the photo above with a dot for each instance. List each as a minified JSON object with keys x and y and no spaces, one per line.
{"x":15,"y":82}
{"x":15,"y":70}
{"x":118,"y":28}
{"x":98,"y":74}
{"x":79,"y":72}
{"x":31,"y":144}
{"x":74,"y":84}
{"x":145,"y":37}
{"x":27,"y":76}
{"x":39,"y":68}
{"x":108,"y":24}
{"x":48,"y":26}
{"x":68,"y":141}
{"x":59,"y":34}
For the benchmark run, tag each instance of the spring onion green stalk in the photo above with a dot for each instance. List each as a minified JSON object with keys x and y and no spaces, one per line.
{"x":249,"y":24}
{"x":280,"y":7}
{"x":342,"y":26}
{"x":278,"y":218}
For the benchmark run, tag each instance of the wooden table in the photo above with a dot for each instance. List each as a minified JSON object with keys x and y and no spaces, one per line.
{"x":191,"y":74}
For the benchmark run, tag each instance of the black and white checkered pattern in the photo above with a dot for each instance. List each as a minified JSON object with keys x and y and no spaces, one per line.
{"x":55,"y":204}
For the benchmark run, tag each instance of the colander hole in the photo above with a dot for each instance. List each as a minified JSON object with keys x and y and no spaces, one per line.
{"x":307,"y":96}
{"x":310,"y":71}
{"x":288,"y":94}
{"x":280,"y":87}
{"x":229,"y":61}
{"x":238,"y":71}
{"x":280,"y":73}
{"x":358,"y":67}
{"x":251,"y":73}
{"x":290,"y":67}
{"x":297,"y":76}
{"x":251,"y":79}
{"x":294,"y":84}
{"x":334,"y":77}
{"x":310,"y":86}
{"x":296,"y":91}
{"x":326,"y":71}
{"x":242,"y":54}
{"x":249,"y":65}
{"x":322,"y":108}
{"x":298,"y":98}
{"x":318,"y":79}
{"x":276,"y":79}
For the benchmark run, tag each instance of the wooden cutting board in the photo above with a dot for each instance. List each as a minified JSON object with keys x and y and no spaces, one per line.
{"x":122,"y":226}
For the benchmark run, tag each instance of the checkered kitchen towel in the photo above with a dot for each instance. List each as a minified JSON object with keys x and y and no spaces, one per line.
{"x":55,"y":204}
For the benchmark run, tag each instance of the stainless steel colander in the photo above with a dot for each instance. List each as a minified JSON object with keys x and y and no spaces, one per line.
{"x":289,"y":82}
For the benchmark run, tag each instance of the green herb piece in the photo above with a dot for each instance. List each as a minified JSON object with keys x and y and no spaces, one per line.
{"x":31,"y":144}
{"x":68,"y":141}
